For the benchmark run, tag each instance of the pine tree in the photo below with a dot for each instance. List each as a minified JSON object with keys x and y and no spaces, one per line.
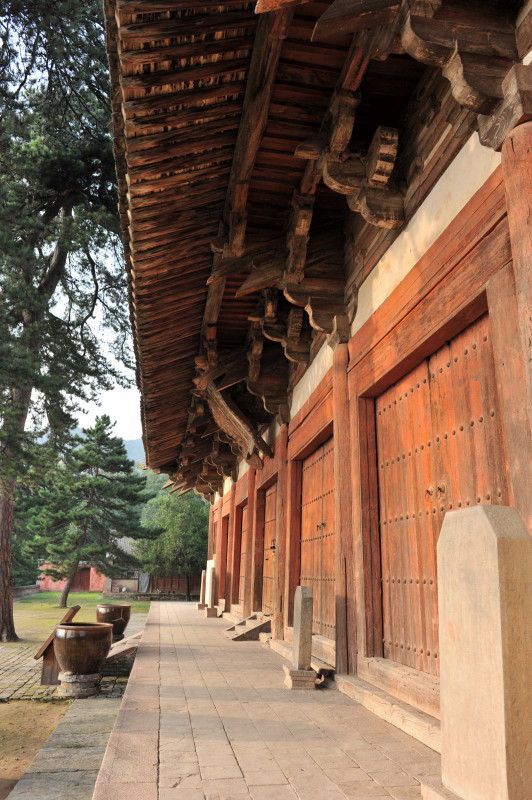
{"x":94,"y":498}
{"x":61,"y":275}
{"x":182,"y":546}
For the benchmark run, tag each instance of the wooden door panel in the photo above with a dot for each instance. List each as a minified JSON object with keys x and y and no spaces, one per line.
{"x":439,"y":447}
{"x":467,"y":439}
{"x":268,"y":562}
{"x":405,"y":470}
{"x":242,"y":561}
{"x":317,"y":535}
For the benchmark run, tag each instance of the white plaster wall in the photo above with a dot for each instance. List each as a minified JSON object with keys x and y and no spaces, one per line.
{"x":243,"y":467}
{"x":466,"y":175}
{"x":311,"y":379}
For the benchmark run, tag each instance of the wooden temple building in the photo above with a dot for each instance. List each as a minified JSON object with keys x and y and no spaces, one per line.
{"x":326,"y":212}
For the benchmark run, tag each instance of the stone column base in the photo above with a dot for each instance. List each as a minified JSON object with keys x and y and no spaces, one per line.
{"x":299,"y":678}
{"x":433,"y":789}
{"x":201,"y":606}
{"x":211,"y":611}
{"x":72,"y":685}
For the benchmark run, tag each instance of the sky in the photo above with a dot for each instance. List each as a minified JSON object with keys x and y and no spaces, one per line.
{"x":123,"y":406}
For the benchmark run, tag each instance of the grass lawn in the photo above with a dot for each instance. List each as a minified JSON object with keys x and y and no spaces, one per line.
{"x":35,"y":616}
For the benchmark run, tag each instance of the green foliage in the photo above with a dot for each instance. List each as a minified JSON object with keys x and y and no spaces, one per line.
{"x":63,"y":316}
{"x":89,"y":500}
{"x":61,"y":275}
{"x":182,"y":546}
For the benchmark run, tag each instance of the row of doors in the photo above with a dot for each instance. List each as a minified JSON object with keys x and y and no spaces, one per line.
{"x":438,"y":448}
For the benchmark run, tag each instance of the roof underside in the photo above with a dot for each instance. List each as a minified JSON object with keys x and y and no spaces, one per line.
{"x":205,"y":148}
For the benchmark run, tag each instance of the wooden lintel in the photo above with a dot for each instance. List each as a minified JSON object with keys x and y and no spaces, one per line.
{"x":230,"y":419}
{"x":349,"y":16}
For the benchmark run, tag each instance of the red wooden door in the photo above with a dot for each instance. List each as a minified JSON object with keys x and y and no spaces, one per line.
{"x":82,"y":580}
{"x":242,"y":560}
{"x":268,"y":561}
{"x":317,"y":535}
{"x":439,"y":448}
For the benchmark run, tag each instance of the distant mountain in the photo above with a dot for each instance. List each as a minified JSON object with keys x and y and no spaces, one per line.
{"x":135,"y":450}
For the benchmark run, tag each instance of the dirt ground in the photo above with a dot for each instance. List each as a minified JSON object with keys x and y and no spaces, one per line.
{"x":25,"y":725}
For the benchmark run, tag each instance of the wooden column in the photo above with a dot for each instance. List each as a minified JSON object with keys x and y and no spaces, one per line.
{"x":343,"y":527}
{"x":230,"y":562}
{"x":246,"y":611}
{"x":292,"y":545}
{"x":257,"y":551}
{"x":511,"y":379}
{"x":517,"y":171}
{"x":211,"y":526}
{"x":218,"y":554}
{"x":280,"y":533}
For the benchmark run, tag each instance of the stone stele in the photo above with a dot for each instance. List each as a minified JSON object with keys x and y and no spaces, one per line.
{"x":485,"y":622}
{"x":302,"y":643}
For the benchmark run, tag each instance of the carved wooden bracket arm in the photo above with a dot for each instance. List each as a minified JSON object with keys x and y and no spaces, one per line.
{"x":240,"y":430}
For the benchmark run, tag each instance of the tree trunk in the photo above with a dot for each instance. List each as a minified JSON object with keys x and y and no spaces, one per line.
{"x":14,"y":425}
{"x":7,"y":624}
{"x":66,"y":589}
{"x":188,"y":587}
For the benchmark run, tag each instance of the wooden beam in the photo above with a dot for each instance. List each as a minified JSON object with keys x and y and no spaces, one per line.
{"x":271,"y":32}
{"x":350,"y":16}
{"x":432,"y":40}
{"x":262,"y":277}
{"x":230,"y":419}
{"x":265,"y":6}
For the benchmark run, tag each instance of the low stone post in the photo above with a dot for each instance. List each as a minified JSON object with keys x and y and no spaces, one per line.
{"x":202,"y":604}
{"x":301,"y":676}
{"x":210,"y":609}
{"x":485,"y":622}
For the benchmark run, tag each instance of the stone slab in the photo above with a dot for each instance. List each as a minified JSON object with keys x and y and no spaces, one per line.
{"x":433,"y":789}
{"x":485,"y":615}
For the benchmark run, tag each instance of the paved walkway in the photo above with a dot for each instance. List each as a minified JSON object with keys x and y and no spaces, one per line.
{"x":20,"y":674}
{"x":205,"y":718}
{"x":67,"y":765}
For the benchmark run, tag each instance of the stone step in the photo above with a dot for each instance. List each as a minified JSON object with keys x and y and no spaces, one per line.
{"x":249,"y":629}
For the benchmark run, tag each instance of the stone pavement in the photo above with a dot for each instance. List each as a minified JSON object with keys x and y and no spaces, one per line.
{"x":204,"y":718}
{"x":20,"y":674}
{"x":67,"y":765}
